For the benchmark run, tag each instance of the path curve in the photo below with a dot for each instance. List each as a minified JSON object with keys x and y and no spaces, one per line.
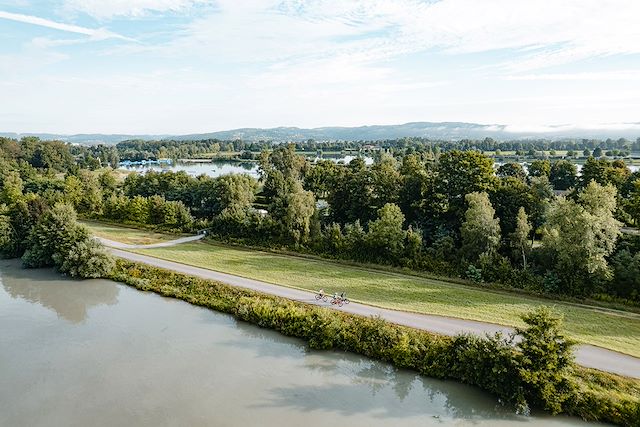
{"x":120,"y":245}
{"x":586,"y":355}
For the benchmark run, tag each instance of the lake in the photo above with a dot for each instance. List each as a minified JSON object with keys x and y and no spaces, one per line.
{"x":223,"y":167}
{"x":80,"y":353}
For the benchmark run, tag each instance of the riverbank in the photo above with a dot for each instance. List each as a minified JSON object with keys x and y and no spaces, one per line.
{"x":595,"y":396}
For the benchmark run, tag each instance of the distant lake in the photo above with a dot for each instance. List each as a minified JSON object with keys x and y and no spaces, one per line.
{"x":224,"y":167}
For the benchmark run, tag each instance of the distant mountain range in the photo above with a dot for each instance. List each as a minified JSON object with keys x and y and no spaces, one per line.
{"x":443,"y":130}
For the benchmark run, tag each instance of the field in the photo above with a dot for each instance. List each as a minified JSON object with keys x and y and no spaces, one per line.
{"x":128,"y":235}
{"x":606,"y":328}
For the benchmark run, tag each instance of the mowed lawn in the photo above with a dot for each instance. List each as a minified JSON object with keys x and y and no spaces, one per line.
{"x":128,"y":235}
{"x":591,"y":325}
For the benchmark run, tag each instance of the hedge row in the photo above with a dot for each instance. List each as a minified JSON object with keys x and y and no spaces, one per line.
{"x":490,"y":363}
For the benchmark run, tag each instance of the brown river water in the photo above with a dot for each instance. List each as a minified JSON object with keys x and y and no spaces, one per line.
{"x":97,"y":353}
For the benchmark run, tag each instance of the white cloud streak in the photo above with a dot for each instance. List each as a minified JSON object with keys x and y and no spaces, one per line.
{"x":108,"y":9}
{"x":95,"y":34}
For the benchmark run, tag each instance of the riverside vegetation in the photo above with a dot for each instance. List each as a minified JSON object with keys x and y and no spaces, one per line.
{"x":534,"y":372}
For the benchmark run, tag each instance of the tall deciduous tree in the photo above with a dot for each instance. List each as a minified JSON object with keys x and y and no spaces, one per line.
{"x":386,"y":236}
{"x":461,"y":173}
{"x":582,"y":234}
{"x":480,"y":230}
{"x":520,"y":237}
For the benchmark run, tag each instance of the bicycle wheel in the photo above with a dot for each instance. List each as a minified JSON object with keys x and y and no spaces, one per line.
{"x":318,"y":297}
{"x":325,"y":299}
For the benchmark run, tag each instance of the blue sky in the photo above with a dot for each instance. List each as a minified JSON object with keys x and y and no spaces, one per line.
{"x":187,"y":66}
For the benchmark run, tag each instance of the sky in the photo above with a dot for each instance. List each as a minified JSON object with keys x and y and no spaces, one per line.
{"x":191,"y":66}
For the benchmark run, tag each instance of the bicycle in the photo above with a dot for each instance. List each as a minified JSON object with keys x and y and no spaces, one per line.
{"x":337,"y":301}
{"x":323,"y":297}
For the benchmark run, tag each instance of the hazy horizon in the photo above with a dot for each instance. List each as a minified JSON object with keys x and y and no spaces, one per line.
{"x":175,"y":67}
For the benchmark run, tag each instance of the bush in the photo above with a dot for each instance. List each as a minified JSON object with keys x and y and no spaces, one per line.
{"x":86,"y":259}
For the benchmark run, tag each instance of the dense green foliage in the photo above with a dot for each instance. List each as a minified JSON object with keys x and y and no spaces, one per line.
{"x":537,"y":372}
{"x":409,"y":208}
{"x":58,"y":240}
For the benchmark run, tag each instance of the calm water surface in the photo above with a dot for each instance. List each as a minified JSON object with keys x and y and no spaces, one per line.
{"x":96,"y":353}
{"x":218,"y":168}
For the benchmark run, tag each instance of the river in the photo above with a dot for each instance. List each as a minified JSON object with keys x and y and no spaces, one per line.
{"x":79,"y":353}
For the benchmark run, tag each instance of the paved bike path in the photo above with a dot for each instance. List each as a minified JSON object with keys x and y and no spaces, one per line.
{"x":586,"y":355}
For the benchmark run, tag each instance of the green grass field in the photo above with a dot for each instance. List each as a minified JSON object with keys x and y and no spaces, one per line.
{"x":591,"y":325}
{"x":128,"y":235}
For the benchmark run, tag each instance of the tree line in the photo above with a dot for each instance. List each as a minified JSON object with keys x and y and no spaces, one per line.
{"x":543,"y":228}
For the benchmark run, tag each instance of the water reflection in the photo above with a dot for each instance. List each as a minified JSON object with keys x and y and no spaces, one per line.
{"x":48,"y":289}
{"x":367,"y":383}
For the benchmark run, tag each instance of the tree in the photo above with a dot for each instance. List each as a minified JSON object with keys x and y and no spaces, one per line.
{"x":85,"y":259}
{"x":385,"y":236}
{"x":236,"y":191}
{"x":415,"y":178}
{"x":73,"y":191}
{"x":385,"y":182}
{"x":8,"y":243}
{"x":594,"y":170}
{"x":320,"y":177}
{"x":581,"y":235}
{"x":626,"y":274}
{"x":55,"y":233}
{"x":563,"y":175}
{"x":350,"y":197}
{"x":461,"y":173}
{"x":514,"y":170}
{"x":299,"y":206}
{"x":545,"y":360}
{"x":12,"y":187}
{"x":520,"y":237}
{"x":541,"y":195}
{"x":539,"y":168}
{"x":633,"y":203}
{"x":507,"y":198}
{"x":481,"y":230}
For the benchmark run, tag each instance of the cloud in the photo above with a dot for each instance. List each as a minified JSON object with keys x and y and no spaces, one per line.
{"x":108,"y":9}
{"x":582,"y":76}
{"x":566,"y":128}
{"x":537,"y":33}
{"x":95,"y":34}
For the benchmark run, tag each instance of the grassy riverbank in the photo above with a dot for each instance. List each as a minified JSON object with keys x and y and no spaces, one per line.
{"x":610,"y":329}
{"x":485,"y":363}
